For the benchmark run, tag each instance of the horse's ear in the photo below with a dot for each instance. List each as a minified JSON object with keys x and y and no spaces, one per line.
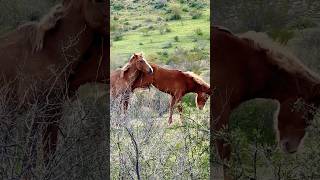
{"x":124,"y":69}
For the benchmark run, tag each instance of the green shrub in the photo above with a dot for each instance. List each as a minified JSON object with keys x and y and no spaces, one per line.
{"x":118,"y":36}
{"x":117,"y":6}
{"x":255,"y":120}
{"x":160,"y":4}
{"x":197,"y":4}
{"x":116,"y":18}
{"x":176,"y":38}
{"x":198,"y":32}
{"x":167,"y":45}
{"x":195,"y":14}
{"x":175,"y":11}
{"x":281,"y":35}
{"x":189,"y":99}
{"x":145,"y":31}
{"x":148,"y":20}
{"x":185,"y":9}
{"x":164,"y":28}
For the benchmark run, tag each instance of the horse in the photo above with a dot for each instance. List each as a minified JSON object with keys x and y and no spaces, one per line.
{"x":93,"y":66}
{"x":121,"y":80}
{"x":250,"y":66}
{"x":177,"y":84}
{"x":42,"y":74}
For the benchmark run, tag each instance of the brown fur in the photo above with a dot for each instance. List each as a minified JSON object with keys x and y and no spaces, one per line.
{"x":44,"y":73}
{"x":177,"y":84}
{"x":246,"y":68}
{"x":92,"y":68}
{"x":122,"y":79}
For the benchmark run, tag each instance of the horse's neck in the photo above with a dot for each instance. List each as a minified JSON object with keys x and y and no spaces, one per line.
{"x":198,"y":88}
{"x":72,"y":37}
{"x":291,"y":87}
{"x":131,"y":75}
{"x":157,"y":71}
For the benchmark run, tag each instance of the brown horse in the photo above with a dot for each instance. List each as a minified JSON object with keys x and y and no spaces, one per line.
{"x":252,"y":66}
{"x":93,"y":65}
{"x":177,"y":84}
{"x":44,"y":73}
{"x":121,"y":80}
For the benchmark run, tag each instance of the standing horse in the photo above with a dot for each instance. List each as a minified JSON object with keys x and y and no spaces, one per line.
{"x":177,"y":84}
{"x":43,"y":74}
{"x":121,"y":80}
{"x":252,"y":66}
{"x":92,"y":66}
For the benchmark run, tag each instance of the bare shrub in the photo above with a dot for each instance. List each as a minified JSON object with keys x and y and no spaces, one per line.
{"x":143,"y":146}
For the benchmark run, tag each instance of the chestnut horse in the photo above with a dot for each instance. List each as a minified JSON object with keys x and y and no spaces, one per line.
{"x":177,"y":84}
{"x":121,"y":80}
{"x":252,"y":66}
{"x":44,"y":73}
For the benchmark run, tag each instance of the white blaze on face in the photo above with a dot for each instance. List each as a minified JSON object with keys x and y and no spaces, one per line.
{"x":204,"y":96}
{"x":131,"y":57}
{"x":147,"y":64}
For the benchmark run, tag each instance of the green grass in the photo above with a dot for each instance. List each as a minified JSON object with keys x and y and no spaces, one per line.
{"x":135,"y":41}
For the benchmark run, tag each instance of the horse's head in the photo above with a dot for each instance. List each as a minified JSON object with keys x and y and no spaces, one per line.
{"x":137,"y":63}
{"x":137,"y":60}
{"x":291,"y":126}
{"x":94,"y":12}
{"x":201,"y":99}
{"x":293,"y":120}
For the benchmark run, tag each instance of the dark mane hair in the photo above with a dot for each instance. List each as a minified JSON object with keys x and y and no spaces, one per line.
{"x":222,"y":28}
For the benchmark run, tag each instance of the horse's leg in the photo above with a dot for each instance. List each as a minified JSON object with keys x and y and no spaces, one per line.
{"x":220,"y":116}
{"x":125,"y":105}
{"x":174,"y":100}
{"x":30,"y":156}
{"x":50,"y":140}
{"x":180,"y":109}
{"x":50,"y":132}
{"x":125,"y":102}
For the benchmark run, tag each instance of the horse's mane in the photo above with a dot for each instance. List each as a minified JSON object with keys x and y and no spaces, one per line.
{"x":196,"y":78}
{"x":222,"y":28}
{"x":278,"y":54}
{"x":30,"y":30}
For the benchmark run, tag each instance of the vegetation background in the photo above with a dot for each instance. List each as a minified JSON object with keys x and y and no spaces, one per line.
{"x":180,"y":151}
{"x":295,"y":25}
{"x":174,"y":34}
{"x":81,"y":152}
